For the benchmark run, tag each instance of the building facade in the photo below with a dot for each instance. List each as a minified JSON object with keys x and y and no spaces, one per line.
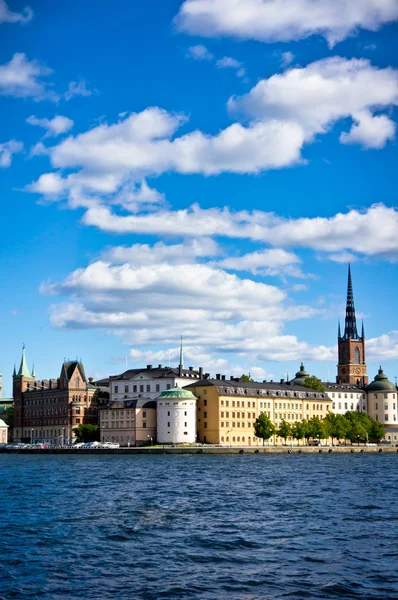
{"x":176,"y":417}
{"x":228,"y":409}
{"x":3,"y":432}
{"x":48,"y":410}
{"x":128,"y":422}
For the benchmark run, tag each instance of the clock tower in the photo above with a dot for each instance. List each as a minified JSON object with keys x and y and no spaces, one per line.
{"x":351,"y":367}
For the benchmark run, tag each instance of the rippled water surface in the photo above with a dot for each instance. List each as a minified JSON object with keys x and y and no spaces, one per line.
{"x":199,"y":527}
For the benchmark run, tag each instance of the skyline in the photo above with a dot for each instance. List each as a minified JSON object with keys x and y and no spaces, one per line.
{"x":182,"y":174}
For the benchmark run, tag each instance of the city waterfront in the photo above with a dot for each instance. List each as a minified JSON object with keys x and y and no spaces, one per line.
{"x":210,"y":527}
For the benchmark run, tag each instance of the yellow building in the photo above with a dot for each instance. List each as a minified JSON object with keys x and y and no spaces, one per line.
{"x":227,"y":409}
{"x":129,"y":422}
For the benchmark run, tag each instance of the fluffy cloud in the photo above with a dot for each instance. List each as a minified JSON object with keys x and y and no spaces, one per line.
{"x":55,"y":126}
{"x":199,"y":52}
{"x":215,"y":310}
{"x":284,"y":20}
{"x":324,"y":92}
{"x":371,"y":232}
{"x":383,"y":348}
{"x":7,"y":16}
{"x":144,"y":254}
{"x":272,"y":261}
{"x":24,"y":79}
{"x":227,"y":62}
{"x":7,"y":149}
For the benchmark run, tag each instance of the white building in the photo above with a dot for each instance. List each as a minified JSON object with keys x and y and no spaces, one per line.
{"x":176,"y":417}
{"x":346,"y":397}
{"x":3,"y":432}
{"x":382,"y":402}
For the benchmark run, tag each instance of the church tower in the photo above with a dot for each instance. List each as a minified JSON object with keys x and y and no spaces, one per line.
{"x":21,"y":381}
{"x":352,"y":366}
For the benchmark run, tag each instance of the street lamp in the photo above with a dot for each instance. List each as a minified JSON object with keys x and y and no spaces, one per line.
{"x":358,"y":439}
{"x":318,"y":439}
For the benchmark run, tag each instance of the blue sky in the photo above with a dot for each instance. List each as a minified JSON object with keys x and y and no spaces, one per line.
{"x":174,"y":168}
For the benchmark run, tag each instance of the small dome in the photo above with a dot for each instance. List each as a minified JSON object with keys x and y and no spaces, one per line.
{"x":177,"y":394}
{"x":2,"y":424}
{"x":381,"y":383}
{"x":300,"y":376}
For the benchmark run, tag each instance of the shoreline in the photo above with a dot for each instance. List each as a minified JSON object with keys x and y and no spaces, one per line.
{"x":209,"y":451}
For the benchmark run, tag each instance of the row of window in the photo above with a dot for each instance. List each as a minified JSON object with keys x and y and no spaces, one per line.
{"x":351,"y":395}
{"x":135,"y":388}
{"x":227,"y":424}
{"x":239,"y":403}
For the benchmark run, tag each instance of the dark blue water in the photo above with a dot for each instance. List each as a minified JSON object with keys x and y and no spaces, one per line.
{"x":199,"y":527}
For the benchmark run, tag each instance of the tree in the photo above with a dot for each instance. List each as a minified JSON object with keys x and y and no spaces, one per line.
{"x":357,"y":432}
{"x":87,"y":433}
{"x":246,"y":377}
{"x":9,"y":417}
{"x":317,"y":429}
{"x":314,"y":383}
{"x":299,"y":430}
{"x":285,"y":430}
{"x":337,"y":426}
{"x":264,"y":427}
{"x":377,"y":431}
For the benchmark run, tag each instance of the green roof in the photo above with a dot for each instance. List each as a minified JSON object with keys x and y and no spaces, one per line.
{"x":23,"y":369}
{"x":178,"y":394}
{"x":381,"y":383}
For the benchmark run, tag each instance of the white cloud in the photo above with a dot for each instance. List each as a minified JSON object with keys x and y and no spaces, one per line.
{"x":55,"y":126}
{"x":371,"y":232}
{"x":7,"y":16}
{"x":383,"y":348}
{"x":144,"y":254}
{"x":22,"y":78}
{"x":199,"y":52}
{"x":324,"y":92}
{"x":7,"y":149}
{"x":284,"y":20}
{"x":274,"y":261}
{"x":227,"y":62}
{"x":214,"y":310}
{"x":78,"y":88}
{"x":370,"y":131}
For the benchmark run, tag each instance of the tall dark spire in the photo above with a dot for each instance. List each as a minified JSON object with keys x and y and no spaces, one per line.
{"x":339,"y":331}
{"x":350,"y":330}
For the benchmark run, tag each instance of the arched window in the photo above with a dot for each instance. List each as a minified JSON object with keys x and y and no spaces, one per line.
{"x":344,"y":356}
{"x":357,"y":355}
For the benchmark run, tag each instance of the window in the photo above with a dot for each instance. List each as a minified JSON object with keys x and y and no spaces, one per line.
{"x":148,"y":388}
{"x":126,"y":388}
{"x":168,"y":413}
{"x":205,"y":402}
{"x":135,"y":389}
{"x":168,"y":424}
{"x":385,"y":405}
{"x":185,"y":414}
{"x":185,"y":424}
{"x":204,"y":415}
{"x":357,"y":355}
{"x":157,"y":387}
{"x":205,"y":425}
{"x":345,"y":405}
{"x":386,"y":417}
{"x":116,"y":390}
{"x":185,"y":432}
{"x":77,"y":421}
{"x":376,"y":405}
{"x":169,"y":386}
{"x":144,"y":425}
{"x":144,"y":414}
{"x":141,"y":388}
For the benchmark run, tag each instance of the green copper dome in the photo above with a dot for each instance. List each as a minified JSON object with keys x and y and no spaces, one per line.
{"x":177,"y":394}
{"x":300,"y":376}
{"x":381,"y":383}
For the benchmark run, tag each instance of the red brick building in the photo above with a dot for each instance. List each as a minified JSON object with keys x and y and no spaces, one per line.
{"x":49,"y":410}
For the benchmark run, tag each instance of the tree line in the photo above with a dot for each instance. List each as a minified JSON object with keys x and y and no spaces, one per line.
{"x":353,"y":426}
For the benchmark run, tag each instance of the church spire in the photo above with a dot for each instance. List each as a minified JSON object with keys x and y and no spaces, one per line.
{"x":339,"y":331}
{"x":23,"y":369}
{"x":350,"y":330}
{"x":181,"y":365}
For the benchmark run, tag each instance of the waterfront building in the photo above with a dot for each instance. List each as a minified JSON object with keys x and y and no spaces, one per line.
{"x":49,"y":410}
{"x":3,"y":432}
{"x":382,"y":404}
{"x":351,"y":366}
{"x":151,"y":381}
{"x":228,"y":409}
{"x":176,"y":417}
{"x":128,"y":422}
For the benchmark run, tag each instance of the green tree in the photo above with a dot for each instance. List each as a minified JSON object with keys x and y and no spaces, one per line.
{"x":317,"y":429}
{"x":314,"y":383}
{"x":264,"y":427}
{"x":337,"y":426}
{"x":87,"y":433}
{"x":285,"y":430}
{"x":246,"y":377}
{"x":357,"y":432}
{"x":377,"y":431}
{"x":299,"y":430}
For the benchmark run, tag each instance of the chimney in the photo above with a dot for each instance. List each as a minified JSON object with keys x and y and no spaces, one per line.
{"x":231,"y":377}
{"x":264,"y":381}
{"x":271,"y":381}
{"x":223,"y":377}
{"x":282,"y":381}
{"x":149,"y":367}
{"x":200,"y":372}
{"x":159,"y":366}
{"x":190,"y":368}
{"x":218,"y":376}
{"x":90,"y":379}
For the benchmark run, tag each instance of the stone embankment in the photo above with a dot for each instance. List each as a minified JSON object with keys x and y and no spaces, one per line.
{"x":211,"y":450}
